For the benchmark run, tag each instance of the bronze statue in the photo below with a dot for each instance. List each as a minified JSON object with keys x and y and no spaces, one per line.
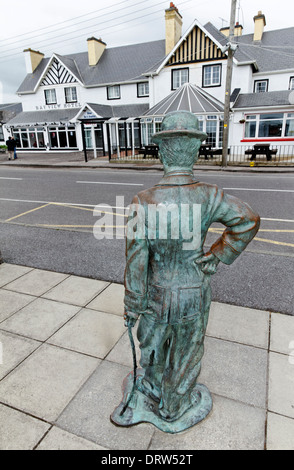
{"x":167,"y":281}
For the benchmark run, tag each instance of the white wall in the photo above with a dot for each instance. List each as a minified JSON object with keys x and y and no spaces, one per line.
{"x":36,"y":101}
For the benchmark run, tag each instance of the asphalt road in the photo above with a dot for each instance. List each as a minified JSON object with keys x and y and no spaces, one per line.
{"x":46,"y":221}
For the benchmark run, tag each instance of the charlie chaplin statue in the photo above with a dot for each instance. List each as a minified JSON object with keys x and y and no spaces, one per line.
{"x":167,"y":281}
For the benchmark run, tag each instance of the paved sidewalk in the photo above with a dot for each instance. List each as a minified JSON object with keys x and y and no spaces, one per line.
{"x":76,"y":160}
{"x":65,"y":352}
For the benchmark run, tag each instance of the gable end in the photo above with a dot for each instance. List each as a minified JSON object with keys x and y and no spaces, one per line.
{"x":57,"y":75}
{"x":197,"y":47}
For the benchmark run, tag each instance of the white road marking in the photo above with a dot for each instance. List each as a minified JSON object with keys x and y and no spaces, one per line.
{"x":104,"y":182}
{"x":16,"y":179}
{"x":261,"y":190}
{"x":107,"y":207}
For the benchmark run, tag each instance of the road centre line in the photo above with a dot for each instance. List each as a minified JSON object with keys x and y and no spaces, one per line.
{"x":6,"y":178}
{"x":105,"y":182}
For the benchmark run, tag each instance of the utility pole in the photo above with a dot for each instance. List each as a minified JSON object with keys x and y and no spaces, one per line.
{"x":231,"y":49}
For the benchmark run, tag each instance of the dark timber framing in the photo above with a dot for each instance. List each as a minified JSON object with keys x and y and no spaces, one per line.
{"x":197,"y":47}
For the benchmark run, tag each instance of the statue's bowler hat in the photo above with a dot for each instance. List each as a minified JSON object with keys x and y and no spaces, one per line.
{"x":179,"y":124}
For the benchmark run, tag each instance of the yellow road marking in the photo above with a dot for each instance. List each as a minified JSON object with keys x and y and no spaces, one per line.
{"x":27,"y":212}
{"x":85,"y":209}
{"x":273,"y":242}
{"x":81,"y":226}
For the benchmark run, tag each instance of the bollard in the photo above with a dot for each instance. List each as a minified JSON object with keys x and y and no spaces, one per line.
{"x":167,"y":280}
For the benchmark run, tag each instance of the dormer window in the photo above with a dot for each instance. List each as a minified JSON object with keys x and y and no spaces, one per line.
{"x":71,"y":94}
{"x":50,"y":96}
{"x":113,"y":92}
{"x":260,"y":86}
{"x":291,"y":86}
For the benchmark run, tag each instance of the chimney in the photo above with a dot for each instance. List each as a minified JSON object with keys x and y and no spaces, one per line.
{"x":238,"y":29}
{"x":33,"y":59}
{"x":173,"y":27}
{"x":226,"y":31}
{"x":259,"y":24}
{"x":96,"y":48}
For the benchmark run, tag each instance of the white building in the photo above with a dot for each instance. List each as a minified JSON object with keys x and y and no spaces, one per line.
{"x":104,"y":98}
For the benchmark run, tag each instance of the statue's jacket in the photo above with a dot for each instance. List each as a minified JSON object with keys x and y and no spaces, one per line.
{"x":163,"y":280}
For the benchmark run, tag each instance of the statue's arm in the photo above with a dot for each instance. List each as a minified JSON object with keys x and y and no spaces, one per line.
{"x":242,"y":225}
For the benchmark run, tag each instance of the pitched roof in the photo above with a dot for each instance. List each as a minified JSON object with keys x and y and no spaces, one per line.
{"x":273,"y":52}
{"x":42,"y":117}
{"x":187,"y":98}
{"x":271,"y":98}
{"x":117,"y":65}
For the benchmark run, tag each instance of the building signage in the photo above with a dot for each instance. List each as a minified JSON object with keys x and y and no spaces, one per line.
{"x":47,"y":107}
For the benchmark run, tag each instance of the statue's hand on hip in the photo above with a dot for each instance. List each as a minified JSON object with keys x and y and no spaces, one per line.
{"x":208,"y":263}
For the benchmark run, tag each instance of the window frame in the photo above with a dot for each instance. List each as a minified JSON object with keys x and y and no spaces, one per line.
{"x":172,"y":77}
{"x":258,"y":119}
{"x":291,"y":81}
{"x":46,"y":98}
{"x":144,"y":95}
{"x":112,"y":87}
{"x":204,"y":67}
{"x":266,"y":80}
{"x":67,"y":100}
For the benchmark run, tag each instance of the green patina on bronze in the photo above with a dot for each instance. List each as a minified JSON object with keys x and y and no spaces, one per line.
{"x":168,"y":289}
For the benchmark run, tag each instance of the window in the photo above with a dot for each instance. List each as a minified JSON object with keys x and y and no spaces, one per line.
{"x":260,"y":86}
{"x":179,"y":77}
{"x":143,"y":89}
{"x":291,"y":85}
{"x":50,"y":96}
{"x":271,"y":125}
{"x":113,"y":92}
{"x":211,"y":75}
{"x":62,"y":137}
{"x":289,"y":130}
{"x":1,"y":133}
{"x":71,"y":95}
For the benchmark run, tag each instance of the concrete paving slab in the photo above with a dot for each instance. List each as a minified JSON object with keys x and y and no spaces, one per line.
{"x":45,"y":382}
{"x":281,"y":385}
{"x":19,"y":431}
{"x":90,"y":332}
{"x":11,"y":302}
{"x":230,"y":426}
{"x":76,"y":290}
{"x":234,"y":323}
{"x":57,"y":439}
{"x":122,"y":352}
{"x":10,"y":272}
{"x":235,"y":371}
{"x":88,"y":413}
{"x":111,"y":300}
{"x":36,"y":282}
{"x":40,"y":319}
{"x":14,"y":350}
{"x":282,"y":334}
{"x":280,"y":432}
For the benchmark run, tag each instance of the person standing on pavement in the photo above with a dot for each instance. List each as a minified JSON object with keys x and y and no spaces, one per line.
{"x":11,"y":145}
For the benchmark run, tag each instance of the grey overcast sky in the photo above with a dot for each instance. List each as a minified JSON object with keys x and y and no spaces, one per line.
{"x":63,"y":26}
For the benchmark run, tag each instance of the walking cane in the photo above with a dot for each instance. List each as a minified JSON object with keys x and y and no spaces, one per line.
{"x":135,"y":370}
